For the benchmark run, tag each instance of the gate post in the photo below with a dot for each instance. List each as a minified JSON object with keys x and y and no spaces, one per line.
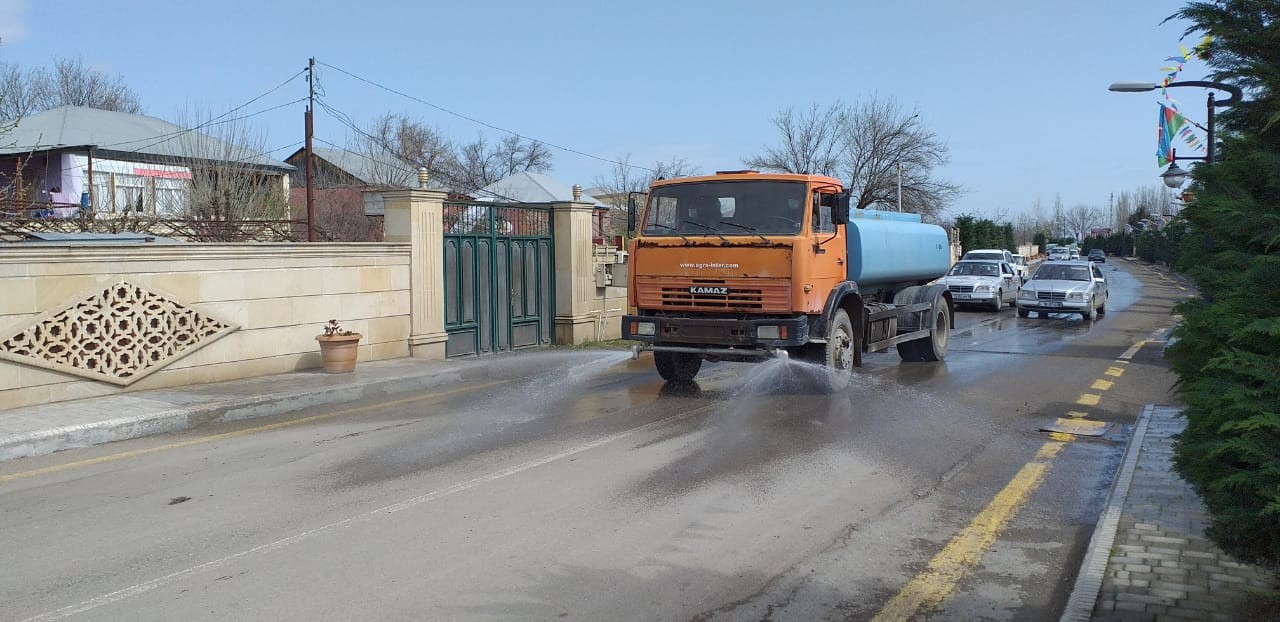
{"x":416,"y":216}
{"x":575,"y":282}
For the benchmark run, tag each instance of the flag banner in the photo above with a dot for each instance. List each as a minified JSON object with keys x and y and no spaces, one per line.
{"x":1170,"y":123}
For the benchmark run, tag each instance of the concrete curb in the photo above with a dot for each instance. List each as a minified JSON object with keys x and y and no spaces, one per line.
{"x":1093,"y":568}
{"x":180,"y":418}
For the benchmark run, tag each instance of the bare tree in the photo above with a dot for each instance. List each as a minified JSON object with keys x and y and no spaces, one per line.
{"x":869,"y":145}
{"x":811,"y":142}
{"x":16,"y":96}
{"x":397,"y":146}
{"x":71,"y":83}
{"x":878,"y":137}
{"x":228,"y":180}
{"x":1081,"y":219}
{"x":625,"y":178}
{"x":481,"y":163}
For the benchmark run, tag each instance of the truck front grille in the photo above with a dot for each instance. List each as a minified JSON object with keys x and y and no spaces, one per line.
{"x":759,"y":295}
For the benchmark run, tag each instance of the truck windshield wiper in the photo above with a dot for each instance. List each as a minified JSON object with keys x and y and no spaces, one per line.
{"x":746,"y":228}
{"x":708,"y":228}
{"x":673,"y":230}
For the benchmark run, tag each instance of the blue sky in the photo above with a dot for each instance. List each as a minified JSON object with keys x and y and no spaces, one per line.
{"x":1017,"y":89}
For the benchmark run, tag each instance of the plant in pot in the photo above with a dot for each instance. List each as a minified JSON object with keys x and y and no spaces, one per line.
{"x":338,"y":348}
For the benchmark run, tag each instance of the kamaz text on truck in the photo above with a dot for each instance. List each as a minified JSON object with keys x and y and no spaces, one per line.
{"x":744,"y":266}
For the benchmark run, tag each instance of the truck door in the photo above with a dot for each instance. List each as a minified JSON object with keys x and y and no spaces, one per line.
{"x":825,"y":252}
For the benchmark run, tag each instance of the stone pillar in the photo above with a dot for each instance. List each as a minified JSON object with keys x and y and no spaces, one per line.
{"x":575,"y":283}
{"x":416,"y":216}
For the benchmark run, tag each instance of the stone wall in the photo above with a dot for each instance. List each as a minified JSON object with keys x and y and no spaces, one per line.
{"x":278,"y":296}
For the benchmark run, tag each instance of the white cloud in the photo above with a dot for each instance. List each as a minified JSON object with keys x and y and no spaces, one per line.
{"x":13,"y":20}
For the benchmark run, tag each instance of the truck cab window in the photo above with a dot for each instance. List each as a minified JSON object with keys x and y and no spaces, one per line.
{"x":821,"y":217}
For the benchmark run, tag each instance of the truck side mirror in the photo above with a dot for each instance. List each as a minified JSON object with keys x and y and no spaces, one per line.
{"x":840,"y":211}
{"x":631,"y":211}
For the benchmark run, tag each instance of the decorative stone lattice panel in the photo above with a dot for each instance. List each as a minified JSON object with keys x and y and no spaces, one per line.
{"x":118,"y":334}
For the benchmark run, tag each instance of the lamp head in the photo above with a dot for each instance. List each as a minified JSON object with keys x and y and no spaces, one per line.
{"x":1174,"y":176}
{"x":1132,"y":87}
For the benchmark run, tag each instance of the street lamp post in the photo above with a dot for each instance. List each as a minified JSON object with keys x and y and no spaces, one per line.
{"x":1143,"y":87}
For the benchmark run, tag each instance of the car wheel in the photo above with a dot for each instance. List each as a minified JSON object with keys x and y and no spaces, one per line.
{"x":1023,"y":313}
{"x":1102,"y":310}
{"x":677,"y":365}
{"x":1092,"y":313}
{"x":998,"y":302}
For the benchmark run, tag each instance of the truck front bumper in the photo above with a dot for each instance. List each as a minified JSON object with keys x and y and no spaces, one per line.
{"x":765,"y":334}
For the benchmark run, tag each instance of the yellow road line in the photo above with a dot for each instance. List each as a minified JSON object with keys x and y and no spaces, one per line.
{"x":218,"y":437}
{"x":1101,"y":385}
{"x":946,"y":569}
{"x":1089,"y":399}
{"x":1075,"y":414}
{"x":1114,"y":371}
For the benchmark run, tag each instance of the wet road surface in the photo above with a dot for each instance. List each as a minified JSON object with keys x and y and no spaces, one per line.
{"x":576,"y":485}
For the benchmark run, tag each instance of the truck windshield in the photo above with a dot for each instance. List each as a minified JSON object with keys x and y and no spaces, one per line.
{"x":726,"y":208}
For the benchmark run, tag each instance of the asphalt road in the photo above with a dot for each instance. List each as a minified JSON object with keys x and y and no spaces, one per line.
{"x":576,"y":485}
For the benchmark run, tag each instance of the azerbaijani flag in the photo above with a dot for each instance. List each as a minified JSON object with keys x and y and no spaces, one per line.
{"x":1170,"y":123}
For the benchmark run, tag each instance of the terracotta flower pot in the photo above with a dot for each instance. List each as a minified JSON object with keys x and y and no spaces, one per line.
{"x":338,"y":352}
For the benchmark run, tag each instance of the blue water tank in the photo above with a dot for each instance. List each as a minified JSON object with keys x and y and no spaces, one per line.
{"x":895,"y":247}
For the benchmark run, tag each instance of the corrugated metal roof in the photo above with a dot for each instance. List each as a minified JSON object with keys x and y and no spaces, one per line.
{"x":371,"y":170}
{"x":121,"y":133}
{"x":529,"y":187}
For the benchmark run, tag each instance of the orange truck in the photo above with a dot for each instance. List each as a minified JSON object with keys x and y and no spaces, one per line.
{"x":745,"y":266}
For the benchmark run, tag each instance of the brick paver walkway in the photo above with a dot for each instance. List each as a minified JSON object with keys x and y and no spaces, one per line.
{"x":1161,"y":566}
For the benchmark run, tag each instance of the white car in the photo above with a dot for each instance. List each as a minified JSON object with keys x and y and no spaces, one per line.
{"x":1065,"y":287}
{"x":983,"y":282}
{"x":1020,"y":266}
{"x":998,"y":254}
{"x":1060,"y":253}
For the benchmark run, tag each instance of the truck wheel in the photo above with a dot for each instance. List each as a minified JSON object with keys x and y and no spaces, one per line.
{"x":677,"y":365}
{"x":840,"y":354}
{"x":933,"y":347}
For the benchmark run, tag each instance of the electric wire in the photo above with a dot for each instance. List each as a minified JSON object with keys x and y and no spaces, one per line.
{"x":479,"y":122}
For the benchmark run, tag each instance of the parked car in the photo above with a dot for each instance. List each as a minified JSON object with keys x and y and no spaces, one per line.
{"x":985,"y":282}
{"x":1059,"y":253}
{"x":1098,"y":255}
{"x":1065,"y":287}
{"x":1074,"y":256}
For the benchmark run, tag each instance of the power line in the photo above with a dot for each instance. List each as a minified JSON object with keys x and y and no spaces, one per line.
{"x":482,"y":123}
{"x":345,"y":120}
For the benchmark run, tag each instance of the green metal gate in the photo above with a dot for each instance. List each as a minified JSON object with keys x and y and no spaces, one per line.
{"x":499,"y":277}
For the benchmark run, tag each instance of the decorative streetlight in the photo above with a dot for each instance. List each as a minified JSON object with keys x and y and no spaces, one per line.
{"x":1174,"y":177}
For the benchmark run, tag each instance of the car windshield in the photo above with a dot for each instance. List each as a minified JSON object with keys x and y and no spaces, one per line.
{"x":726,"y":208}
{"x":1050,"y":272}
{"x":972,"y":255}
{"x":974,"y":269}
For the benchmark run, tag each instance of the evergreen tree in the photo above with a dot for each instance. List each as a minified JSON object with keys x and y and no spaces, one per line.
{"x":1228,"y":350}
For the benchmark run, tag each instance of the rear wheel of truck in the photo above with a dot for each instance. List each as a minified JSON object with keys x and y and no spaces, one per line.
{"x":677,"y":365}
{"x":934,"y":346}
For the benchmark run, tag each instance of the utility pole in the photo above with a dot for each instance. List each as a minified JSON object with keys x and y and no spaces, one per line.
{"x":311,"y":189}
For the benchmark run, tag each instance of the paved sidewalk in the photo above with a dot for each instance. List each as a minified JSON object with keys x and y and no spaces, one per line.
{"x":1160,"y":566}
{"x":46,"y":428}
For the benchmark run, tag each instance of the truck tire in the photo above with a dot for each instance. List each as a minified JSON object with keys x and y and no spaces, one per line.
{"x":839,"y":354}
{"x":680,"y":366}
{"x":934,"y":346}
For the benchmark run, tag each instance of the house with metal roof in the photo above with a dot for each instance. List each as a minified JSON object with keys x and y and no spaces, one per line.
{"x":71,"y":158}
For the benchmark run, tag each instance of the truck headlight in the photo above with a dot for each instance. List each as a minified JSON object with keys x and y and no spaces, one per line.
{"x":644,"y":329}
{"x":769,"y":332}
